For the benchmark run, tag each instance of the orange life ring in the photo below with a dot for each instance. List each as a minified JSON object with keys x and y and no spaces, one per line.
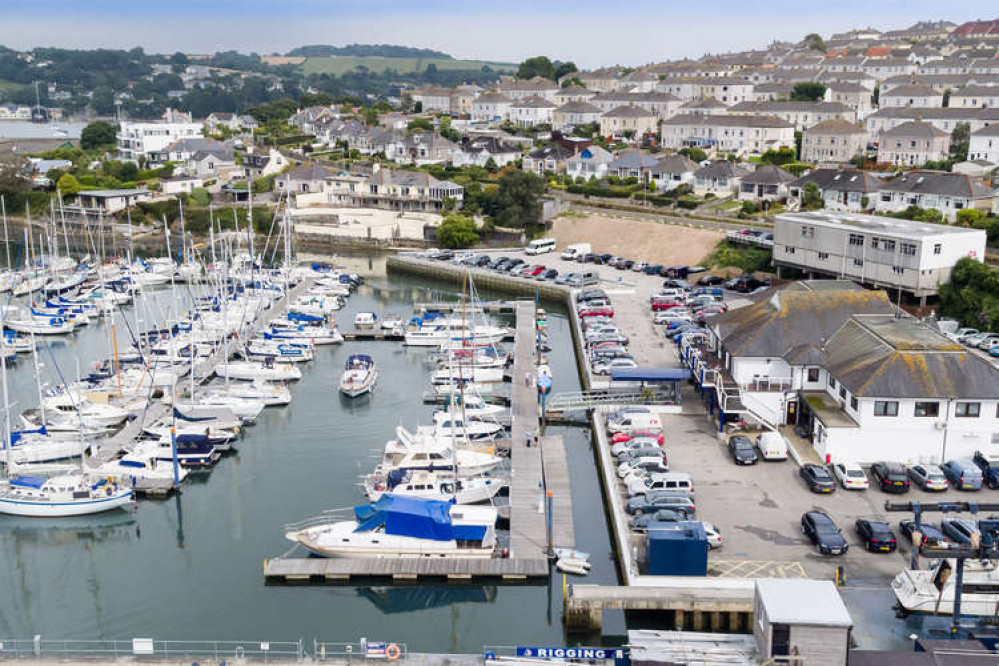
{"x":392,"y":652}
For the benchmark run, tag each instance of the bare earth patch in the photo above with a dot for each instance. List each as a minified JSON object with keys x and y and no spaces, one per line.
{"x":667,"y":244}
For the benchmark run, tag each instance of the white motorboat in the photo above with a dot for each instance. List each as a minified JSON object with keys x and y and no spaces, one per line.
{"x":256,"y":370}
{"x":463,"y":374}
{"x":392,"y":322}
{"x":365,"y":321}
{"x":423,"y":451}
{"x":302,"y":334}
{"x":931,"y":591}
{"x":402,"y":527}
{"x":433,"y":485}
{"x":359,"y":376}
{"x":271,"y":394}
{"x":454,"y":425}
{"x":38,"y":446}
{"x":474,"y":407}
{"x":279,"y":350}
{"x":90,"y":415}
{"x":572,"y":566}
{"x":140,"y":469}
{"x":61,"y":496}
{"x":212,"y":405}
{"x":448,"y":333}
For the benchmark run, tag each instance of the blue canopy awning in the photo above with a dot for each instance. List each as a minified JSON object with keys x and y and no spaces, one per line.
{"x":649,"y":374}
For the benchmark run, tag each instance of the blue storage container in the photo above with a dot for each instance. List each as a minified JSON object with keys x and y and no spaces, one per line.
{"x":677,"y":549}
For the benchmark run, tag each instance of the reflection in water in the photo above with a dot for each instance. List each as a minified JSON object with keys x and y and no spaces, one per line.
{"x":115,"y":525}
{"x":410,"y":599}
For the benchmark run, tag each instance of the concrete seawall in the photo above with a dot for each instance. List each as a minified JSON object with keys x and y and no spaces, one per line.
{"x":443,"y":270}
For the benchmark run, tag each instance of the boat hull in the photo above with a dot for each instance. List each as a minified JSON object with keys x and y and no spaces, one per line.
{"x":39,"y":509}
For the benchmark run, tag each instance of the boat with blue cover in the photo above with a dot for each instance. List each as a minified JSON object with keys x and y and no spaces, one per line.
{"x":359,"y":376}
{"x":401,"y":527}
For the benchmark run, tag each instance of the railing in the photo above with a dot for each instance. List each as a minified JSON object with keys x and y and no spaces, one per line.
{"x":749,"y":239}
{"x":763,"y":413}
{"x":597,"y":398}
{"x":767,"y":383}
{"x":329,"y":651}
{"x":151,"y":649}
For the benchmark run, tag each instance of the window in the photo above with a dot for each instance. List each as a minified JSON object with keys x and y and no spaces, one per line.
{"x":887,"y":245}
{"x":937,"y":248}
{"x":885,"y":408}
{"x":807,"y":232}
{"x":823,"y":256}
{"x":813,"y":374}
{"x":853,"y":403}
{"x":909,"y":249}
{"x":971,"y":410}
{"x":857,"y":240}
{"x":897,"y":270}
{"x":832,"y":382}
{"x":931,"y":409}
{"x":842,"y":392}
{"x":874,"y":242}
{"x":789,"y":249}
{"x":858,"y":262}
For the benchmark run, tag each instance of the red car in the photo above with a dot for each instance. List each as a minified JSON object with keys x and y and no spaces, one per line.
{"x":659,"y":304}
{"x":632,"y":434}
{"x":596,"y":312}
{"x":534,"y":271}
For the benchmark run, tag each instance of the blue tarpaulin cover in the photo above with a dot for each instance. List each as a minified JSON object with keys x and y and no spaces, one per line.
{"x":414,"y":517}
{"x":28,"y":481}
{"x":649,"y":374}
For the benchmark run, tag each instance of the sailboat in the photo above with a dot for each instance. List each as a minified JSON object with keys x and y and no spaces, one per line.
{"x":443,"y":486}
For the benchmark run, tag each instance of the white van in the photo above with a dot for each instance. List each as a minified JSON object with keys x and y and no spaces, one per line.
{"x":572,"y":252}
{"x":628,"y":422}
{"x":772,"y":446}
{"x":540,"y":246}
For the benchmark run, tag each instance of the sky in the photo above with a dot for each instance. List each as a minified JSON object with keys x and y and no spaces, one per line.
{"x":591,"y":33}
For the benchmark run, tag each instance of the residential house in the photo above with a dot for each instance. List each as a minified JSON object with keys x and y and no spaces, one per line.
{"x":573,"y":94}
{"x":974,"y":97}
{"x":478,"y":151}
{"x":726,"y":89}
{"x":598,"y":80}
{"x":305,"y":177}
{"x":521,"y":88}
{"x":462,"y":98}
{"x":307,"y":119}
{"x":639,"y":81}
{"x":946,"y":119}
{"x":661,"y":104}
{"x":180,"y":184}
{"x":940,"y":190}
{"x":980,"y":169}
{"x":430,"y":98}
{"x":629,"y":122}
{"x":632,"y":164}
{"x":589,"y":163}
{"x":864,"y":381}
{"x":672,"y":171}
{"x":739,"y":134}
{"x":720,"y":178}
{"x":883,"y":68}
{"x":138,"y":140}
{"x":97,"y":204}
{"x":913,"y":95}
{"x":200,"y":156}
{"x":847,"y":190}
{"x":832,"y":141}
{"x":420,"y":148}
{"x":222,"y":120}
{"x":800,"y":114}
{"x":531,"y":111}
{"x":984,"y":144}
{"x":491,"y":107}
{"x":259,"y":164}
{"x":913,"y":143}
{"x":768,"y":183}
{"x":247,"y":122}
{"x":853,"y":95}
{"x":546,"y":159}
{"x":703,"y":106}
{"x":572,"y":114}
{"x":766,"y":92}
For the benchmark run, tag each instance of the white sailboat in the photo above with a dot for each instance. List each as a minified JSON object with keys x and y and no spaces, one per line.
{"x":442,"y":486}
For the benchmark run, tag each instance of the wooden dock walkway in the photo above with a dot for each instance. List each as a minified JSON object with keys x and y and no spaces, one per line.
{"x":557,"y":483}
{"x":344,"y":570}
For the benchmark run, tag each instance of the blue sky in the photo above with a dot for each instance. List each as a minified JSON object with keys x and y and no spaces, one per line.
{"x":589,"y":32}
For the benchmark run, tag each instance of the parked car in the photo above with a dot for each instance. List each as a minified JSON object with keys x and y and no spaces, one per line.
{"x":587,"y":258}
{"x":534,"y":271}
{"x":890,"y":477}
{"x":746,"y":284}
{"x":960,"y":530}
{"x":625,"y":265}
{"x":742,"y":450}
{"x":963,"y":474}
{"x":988,"y":342}
{"x":565,"y":278}
{"x":652,"y":269}
{"x":597,"y":312}
{"x":646,"y":450}
{"x":549,"y":274}
{"x":442,"y":255}
{"x":822,"y":532}
{"x":514,"y":263}
{"x":590,"y":293}
{"x":933,"y":536}
{"x":973,"y":339}
{"x":640,"y":523}
{"x":876,"y":535}
{"x":604,"y":367}
{"x":641,"y":430}
{"x":851,"y":476}
{"x":989,"y":464}
{"x":637,"y":444}
{"x":817,"y":478}
{"x":639,"y":266}
{"x":711,"y":281}
{"x":655,"y":500}
{"x":928,"y":477}
{"x":664,"y":304}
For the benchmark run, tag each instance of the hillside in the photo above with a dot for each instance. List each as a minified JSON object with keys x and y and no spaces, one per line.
{"x":367,"y":50}
{"x":341,"y":64}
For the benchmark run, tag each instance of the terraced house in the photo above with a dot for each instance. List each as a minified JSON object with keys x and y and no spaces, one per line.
{"x":739,"y":134}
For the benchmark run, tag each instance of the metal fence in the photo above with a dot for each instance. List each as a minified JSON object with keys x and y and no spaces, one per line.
{"x":149,"y":648}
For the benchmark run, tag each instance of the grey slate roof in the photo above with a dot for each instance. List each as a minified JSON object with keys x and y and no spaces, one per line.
{"x":628,"y":111}
{"x":841,"y":180}
{"x":675,"y":164}
{"x":940,"y":182}
{"x":914,"y":128}
{"x":885,"y":357}
{"x":835,"y":126}
{"x":533,"y":102}
{"x":726,"y":120}
{"x":577,"y":107}
{"x":720,"y":169}
{"x":768,"y":174}
{"x":633,"y":159}
{"x":309,"y":171}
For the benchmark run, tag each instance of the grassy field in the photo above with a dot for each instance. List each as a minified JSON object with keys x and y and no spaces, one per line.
{"x":341,"y":64}
{"x":7,"y":86}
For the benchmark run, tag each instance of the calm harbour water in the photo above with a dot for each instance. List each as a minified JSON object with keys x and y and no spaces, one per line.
{"x":23,"y":129}
{"x":191,"y":567}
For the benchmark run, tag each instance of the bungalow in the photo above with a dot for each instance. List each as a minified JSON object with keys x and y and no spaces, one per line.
{"x":572,"y":114}
{"x":914,"y":95}
{"x":632,"y":164}
{"x":834,"y":140}
{"x":478,"y":151}
{"x":531,"y":111}
{"x":913,"y":143}
{"x":672,"y":171}
{"x":720,"y":178}
{"x":628,"y":122}
{"x":98,"y":203}
{"x":180,"y":184}
{"x":939,"y":190}
{"x":546,"y":159}
{"x":768,"y":183}
{"x":739,"y":134}
{"x":846,"y":190}
{"x":984,"y":144}
{"x":589,"y":163}
{"x":491,"y":107}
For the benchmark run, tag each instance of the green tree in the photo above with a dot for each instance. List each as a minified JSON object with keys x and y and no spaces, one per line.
{"x":815,"y":42}
{"x":202,"y":197}
{"x":694,"y":153}
{"x":565,"y":68}
{"x":518,"y":200}
{"x":491,"y":165}
{"x":808,"y":91}
{"x":457,"y":231}
{"x":946,"y":96}
{"x":10,"y":173}
{"x":960,"y":138}
{"x":972,"y":295}
{"x":420,"y":124}
{"x":782,"y":155}
{"x":129,"y":172}
{"x":315,"y":99}
{"x":811,"y":197}
{"x":536,"y":66}
{"x":68,"y":184}
{"x":370,"y":116}
{"x":969,"y":217}
{"x":103,"y":100}
{"x":98,"y":134}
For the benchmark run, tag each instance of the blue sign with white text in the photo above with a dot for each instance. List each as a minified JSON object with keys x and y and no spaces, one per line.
{"x":571,"y":652}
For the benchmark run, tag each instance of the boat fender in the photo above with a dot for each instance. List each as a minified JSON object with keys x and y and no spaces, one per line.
{"x":490,"y":656}
{"x":392,"y":652}
{"x":107,"y":490}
